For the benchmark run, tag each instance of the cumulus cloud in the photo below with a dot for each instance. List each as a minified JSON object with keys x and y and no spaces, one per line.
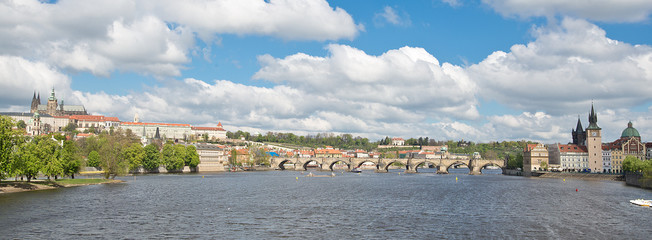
{"x":548,"y":128}
{"x":391,"y":16}
{"x":564,"y":69}
{"x":154,"y":37}
{"x":599,"y":10}
{"x":19,"y":78}
{"x":403,"y":80}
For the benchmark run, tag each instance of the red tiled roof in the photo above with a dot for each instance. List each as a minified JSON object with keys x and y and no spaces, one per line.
{"x":327,"y":151}
{"x":398,"y":139}
{"x":96,"y":118}
{"x":529,"y":147}
{"x":155,"y":124}
{"x":208,"y":128}
{"x":572,"y":148}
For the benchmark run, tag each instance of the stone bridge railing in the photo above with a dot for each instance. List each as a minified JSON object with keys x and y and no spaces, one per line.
{"x":382,"y":164}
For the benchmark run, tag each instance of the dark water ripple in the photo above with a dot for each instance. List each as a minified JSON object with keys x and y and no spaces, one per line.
{"x":264,"y":205}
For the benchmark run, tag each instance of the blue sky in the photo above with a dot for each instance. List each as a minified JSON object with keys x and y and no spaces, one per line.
{"x":487,"y":70}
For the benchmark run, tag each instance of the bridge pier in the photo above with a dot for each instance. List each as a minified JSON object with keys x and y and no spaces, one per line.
{"x":475,"y":171}
{"x":442,"y":170}
{"x":380,"y":170}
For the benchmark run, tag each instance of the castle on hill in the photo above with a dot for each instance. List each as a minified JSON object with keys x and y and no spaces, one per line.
{"x":54,"y":108}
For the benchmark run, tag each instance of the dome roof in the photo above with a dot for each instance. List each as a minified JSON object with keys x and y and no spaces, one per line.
{"x":630,"y":131}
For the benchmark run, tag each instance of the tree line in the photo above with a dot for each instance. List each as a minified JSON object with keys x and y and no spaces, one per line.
{"x":116,"y":153}
{"x":341,"y":141}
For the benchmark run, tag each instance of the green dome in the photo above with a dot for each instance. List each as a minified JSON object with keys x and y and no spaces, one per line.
{"x":630,"y":131}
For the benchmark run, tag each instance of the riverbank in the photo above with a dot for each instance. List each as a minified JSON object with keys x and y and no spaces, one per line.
{"x":36,"y":185}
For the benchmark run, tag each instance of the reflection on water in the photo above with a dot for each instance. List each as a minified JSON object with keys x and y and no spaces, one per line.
{"x":367,"y":205}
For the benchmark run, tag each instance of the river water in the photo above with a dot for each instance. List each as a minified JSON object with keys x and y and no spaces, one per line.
{"x":286,"y":204}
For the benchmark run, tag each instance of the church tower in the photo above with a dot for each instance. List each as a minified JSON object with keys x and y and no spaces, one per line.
{"x":594,"y":143}
{"x":35,"y":104}
{"x":579,"y":136}
{"x":52,"y":104}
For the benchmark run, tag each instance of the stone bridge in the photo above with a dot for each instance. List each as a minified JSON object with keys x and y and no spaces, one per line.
{"x":382,"y":164}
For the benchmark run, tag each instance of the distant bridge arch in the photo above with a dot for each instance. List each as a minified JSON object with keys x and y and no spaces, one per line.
{"x":382,"y":164}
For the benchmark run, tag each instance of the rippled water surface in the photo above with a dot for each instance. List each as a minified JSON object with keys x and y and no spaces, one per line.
{"x":262,"y":205}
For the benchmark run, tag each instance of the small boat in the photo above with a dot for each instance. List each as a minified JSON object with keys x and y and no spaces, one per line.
{"x":641,"y":202}
{"x":356,"y":170}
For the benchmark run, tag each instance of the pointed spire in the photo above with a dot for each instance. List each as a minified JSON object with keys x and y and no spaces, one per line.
{"x":593,"y":120}
{"x":579,"y":127}
{"x":38,"y":99}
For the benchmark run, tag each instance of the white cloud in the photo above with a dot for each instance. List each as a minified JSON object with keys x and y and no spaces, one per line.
{"x":19,"y":78}
{"x":154,"y":37}
{"x":407,"y":80}
{"x":453,"y":3}
{"x":600,"y":10}
{"x":286,"y":19}
{"x":391,"y":16}
{"x":564,"y":69}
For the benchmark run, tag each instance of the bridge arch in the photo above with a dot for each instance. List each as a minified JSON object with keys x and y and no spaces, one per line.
{"x":305,"y":164}
{"x":458,"y":163}
{"x":483,"y":167}
{"x":281,"y":165}
{"x":389,"y":163}
{"x":331,"y":166}
{"x":423,"y":163}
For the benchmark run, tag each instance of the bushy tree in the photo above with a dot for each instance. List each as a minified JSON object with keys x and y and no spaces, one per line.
{"x":151,"y":159}
{"x":49,"y":150}
{"x":112,"y":153}
{"x":173,"y":156}
{"x":632,"y":164}
{"x":93,"y":159}
{"x":70,"y":160}
{"x":134,"y":154}
{"x":27,"y":162}
{"x":21,"y":124}
{"x":8,"y":139}
{"x":192,"y":158}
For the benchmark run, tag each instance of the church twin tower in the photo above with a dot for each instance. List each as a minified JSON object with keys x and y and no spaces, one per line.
{"x":592,"y":139}
{"x":53,"y":108}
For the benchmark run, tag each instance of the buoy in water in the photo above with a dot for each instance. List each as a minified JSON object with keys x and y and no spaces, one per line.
{"x":297,"y":178}
{"x":576,"y":190}
{"x":564,"y":179}
{"x":202,"y":176}
{"x":455,"y":179}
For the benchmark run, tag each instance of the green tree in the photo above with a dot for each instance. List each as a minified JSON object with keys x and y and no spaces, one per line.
{"x":632,"y":164}
{"x":179,"y":157}
{"x":543,"y":165}
{"x":70,"y":128}
{"x":8,"y":141}
{"x":192,"y":158}
{"x":49,"y":150}
{"x":70,"y":160}
{"x":93,"y":159}
{"x":151,"y":160}
{"x":233,"y":159}
{"x":134,"y":154}
{"x":28,"y":163}
{"x":260,"y":156}
{"x":173,"y":156}
{"x":111,"y":153}
{"x":21,"y":124}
